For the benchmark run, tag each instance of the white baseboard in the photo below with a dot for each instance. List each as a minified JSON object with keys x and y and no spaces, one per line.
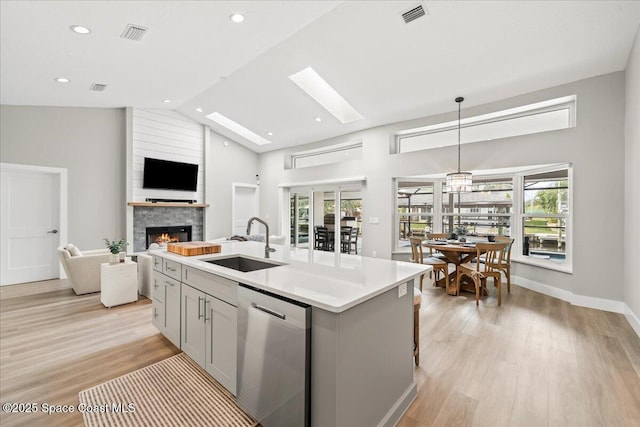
{"x":632,"y":319}
{"x":581,"y":300}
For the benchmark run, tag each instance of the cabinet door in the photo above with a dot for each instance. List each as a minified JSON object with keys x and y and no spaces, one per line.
{"x":172,"y":311}
{"x":157,"y":315}
{"x":192,"y":336}
{"x":157,"y":286}
{"x":221,"y":329}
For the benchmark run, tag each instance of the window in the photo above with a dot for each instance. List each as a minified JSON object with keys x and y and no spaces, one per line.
{"x":414,"y":213}
{"x":485,"y":211}
{"x":327,"y":155}
{"x":545,"y":211}
{"x":530,"y":204}
{"x":543,"y":116}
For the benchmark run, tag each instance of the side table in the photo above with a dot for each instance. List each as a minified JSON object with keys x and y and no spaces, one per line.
{"x":118,"y":283}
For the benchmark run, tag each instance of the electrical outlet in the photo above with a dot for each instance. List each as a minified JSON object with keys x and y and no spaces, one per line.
{"x":374,"y":253}
{"x":374,"y":220}
{"x":402,"y":290}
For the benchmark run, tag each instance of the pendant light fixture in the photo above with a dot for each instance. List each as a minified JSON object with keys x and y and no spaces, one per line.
{"x":459,"y":182}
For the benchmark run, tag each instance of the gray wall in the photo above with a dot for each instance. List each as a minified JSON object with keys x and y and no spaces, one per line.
{"x":225,"y":165}
{"x":90,"y":144}
{"x":632,"y":180}
{"x":595,"y":147}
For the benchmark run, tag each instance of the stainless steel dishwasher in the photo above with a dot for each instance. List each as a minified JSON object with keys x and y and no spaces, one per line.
{"x":274,"y":341}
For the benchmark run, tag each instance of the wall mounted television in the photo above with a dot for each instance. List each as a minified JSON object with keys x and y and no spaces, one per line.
{"x":167,"y":175}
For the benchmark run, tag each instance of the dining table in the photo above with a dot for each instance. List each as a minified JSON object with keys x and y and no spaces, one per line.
{"x":456,"y":253}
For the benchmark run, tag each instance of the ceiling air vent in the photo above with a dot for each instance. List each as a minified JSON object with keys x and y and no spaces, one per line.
{"x":98,"y":87}
{"x":134,"y":32}
{"x":413,"y":14}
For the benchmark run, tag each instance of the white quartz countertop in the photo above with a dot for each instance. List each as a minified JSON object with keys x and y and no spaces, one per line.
{"x":326,"y":280}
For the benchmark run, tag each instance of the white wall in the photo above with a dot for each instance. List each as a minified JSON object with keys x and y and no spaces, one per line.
{"x":595,"y":147}
{"x":632,"y":183}
{"x":226,"y":165}
{"x":90,"y":144}
{"x":165,"y":135}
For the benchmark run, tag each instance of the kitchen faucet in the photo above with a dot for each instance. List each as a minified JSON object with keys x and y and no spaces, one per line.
{"x":267,"y":249}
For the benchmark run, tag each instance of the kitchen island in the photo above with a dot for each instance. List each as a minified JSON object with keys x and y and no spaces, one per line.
{"x":361,"y":369}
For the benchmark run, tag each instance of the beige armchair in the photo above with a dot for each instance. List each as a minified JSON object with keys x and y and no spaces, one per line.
{"x":83,"y":269}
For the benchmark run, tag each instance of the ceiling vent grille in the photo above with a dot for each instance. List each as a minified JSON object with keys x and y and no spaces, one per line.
{"x":413,"y":14}
{"x":134,"y":32}
{"x":98,"y":87}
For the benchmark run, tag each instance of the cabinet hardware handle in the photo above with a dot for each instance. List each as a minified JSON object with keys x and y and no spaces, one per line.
{"x":186,"y":274}
{"x":199,"y":313}
{"x":170,"y":269}
{"x":169,"y":283}
{"x":155,"y":285}
{"x":206,"y":301}
{"x":155,"y":312}
{"x":268,"y":310}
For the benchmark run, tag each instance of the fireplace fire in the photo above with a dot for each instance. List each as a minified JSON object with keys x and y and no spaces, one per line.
{"x":164,"y":235}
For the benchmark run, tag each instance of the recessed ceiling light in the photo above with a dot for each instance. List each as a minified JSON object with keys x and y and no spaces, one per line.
{"x":199,"y":110}
{"x":62,"y":80}
{"x":237,"y":128}
{"x":79,"y":29}
{"x":317,"y":88}
{"x":237,"y":18}
{"x":318,"y":119}
{"x":270,"y":133}
{"x":166,"y":101}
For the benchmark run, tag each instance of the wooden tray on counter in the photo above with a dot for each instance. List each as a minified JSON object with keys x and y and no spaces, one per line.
{"x":193,"y":248}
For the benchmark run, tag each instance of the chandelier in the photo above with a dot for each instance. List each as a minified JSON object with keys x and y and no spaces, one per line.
{"x":459,"y":182}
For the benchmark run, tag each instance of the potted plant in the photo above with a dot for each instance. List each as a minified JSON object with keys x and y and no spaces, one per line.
{"x":116,"y":247}
{"x":461,"y":231}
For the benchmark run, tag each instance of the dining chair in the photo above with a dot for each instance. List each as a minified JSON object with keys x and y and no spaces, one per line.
{"x":418,"y":257}
{"x":417,"y":300}
{"x":479,"y":271}
{"x":354,"y":239}
{"x":441,"y":237}
{"x":345,"y":239}
{"x":321,"y":237}
{"x":505,"y":265}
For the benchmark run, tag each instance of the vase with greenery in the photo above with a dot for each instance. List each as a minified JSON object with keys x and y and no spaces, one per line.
{"x":116,"y":247}
{"x":461,"y":231}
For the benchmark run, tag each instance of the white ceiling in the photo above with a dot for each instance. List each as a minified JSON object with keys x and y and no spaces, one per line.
{"x":388,"y":70}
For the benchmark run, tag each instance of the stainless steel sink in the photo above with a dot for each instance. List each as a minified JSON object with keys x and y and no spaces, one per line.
{"x":243,"y":264}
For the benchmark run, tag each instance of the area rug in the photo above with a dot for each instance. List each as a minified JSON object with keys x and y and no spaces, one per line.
{"x":173,"y":392}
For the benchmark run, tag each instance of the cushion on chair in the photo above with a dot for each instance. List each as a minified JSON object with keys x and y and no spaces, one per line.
{"x":73,"y":250}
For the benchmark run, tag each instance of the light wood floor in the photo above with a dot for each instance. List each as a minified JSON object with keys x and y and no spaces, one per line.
{"x":535,"y":361}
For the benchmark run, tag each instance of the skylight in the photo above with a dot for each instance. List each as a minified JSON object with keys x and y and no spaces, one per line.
{"x":237,"y":128}
{"x":317,"y":88}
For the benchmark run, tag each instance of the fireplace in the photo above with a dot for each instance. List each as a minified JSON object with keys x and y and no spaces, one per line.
{"x":164,"y":235}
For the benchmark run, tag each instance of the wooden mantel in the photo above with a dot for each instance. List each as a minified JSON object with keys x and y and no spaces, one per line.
{"x":168,"y":205}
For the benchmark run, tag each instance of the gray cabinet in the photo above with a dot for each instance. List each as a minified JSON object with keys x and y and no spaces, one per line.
{"x":209,"y":334}
{"x":193,"y":326}
{"x":221,"y":339}
{"x":165,"y":293}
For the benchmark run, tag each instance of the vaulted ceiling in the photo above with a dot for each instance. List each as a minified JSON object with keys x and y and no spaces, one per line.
{"x":193,"y":55}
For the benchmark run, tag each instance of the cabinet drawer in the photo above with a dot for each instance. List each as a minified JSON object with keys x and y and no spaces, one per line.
{"x":172,"y":269}
{"x":157,"y":263}
{"x":219,"y":287}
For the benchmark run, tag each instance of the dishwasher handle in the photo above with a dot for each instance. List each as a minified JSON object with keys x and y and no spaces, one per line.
{"x":268,"y":310}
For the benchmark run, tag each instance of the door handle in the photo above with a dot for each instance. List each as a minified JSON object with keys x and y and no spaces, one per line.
{"x":52,"y":232}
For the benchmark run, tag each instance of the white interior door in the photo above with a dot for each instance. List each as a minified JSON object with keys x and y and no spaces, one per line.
{"x":245,"y":205}
{"x":30,"y":225}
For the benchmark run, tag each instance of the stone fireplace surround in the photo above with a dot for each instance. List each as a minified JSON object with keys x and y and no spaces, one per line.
{"x":159,"y":216}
